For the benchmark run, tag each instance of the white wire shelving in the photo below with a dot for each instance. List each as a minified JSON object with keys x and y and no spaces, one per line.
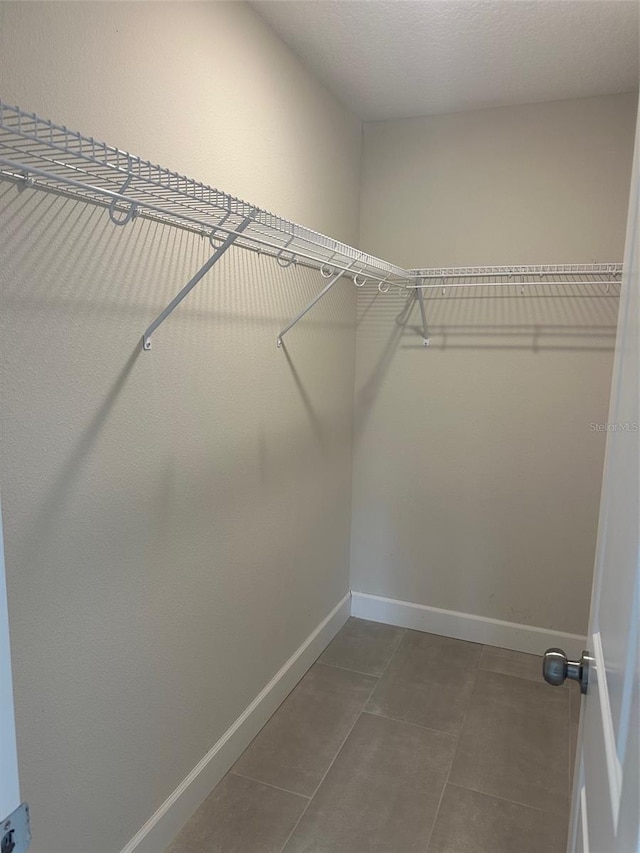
{"x":52,"y":157}
{"x":49,"y":156}
{"x":591,"y":279}
{"x":509,"y":276}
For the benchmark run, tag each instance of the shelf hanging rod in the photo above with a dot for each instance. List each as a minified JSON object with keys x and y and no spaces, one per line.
{"x":146,"y":338}
{"x":314,"y":301}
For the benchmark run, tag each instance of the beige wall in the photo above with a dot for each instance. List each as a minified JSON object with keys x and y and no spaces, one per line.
{"x":476,"y":473}
{"x":177,"y":523}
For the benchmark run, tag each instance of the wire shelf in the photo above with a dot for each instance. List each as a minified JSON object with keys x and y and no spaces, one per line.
{"x":509,"y":276}
{"x":49,"y":156}
{"x":52,"y":157}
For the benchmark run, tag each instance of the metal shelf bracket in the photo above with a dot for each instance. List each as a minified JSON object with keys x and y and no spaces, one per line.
{"x":425,"y":328}
{"x":407,"y":309}
{"x":314,"y":301}
{"x":226,"y":244}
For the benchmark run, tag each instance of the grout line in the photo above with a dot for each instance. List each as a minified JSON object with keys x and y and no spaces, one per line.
{"x":557,"y":691}
{"x":297,"y":823}
{"x":269,"y":784}
{"x":482,"y":654}
{"x":344,"y":741}
{"x":538,"y":680}
{"x":346,"y":669}
{"x":379,"y":675}
{"x":444,"y":788}
{"x":455,"y":751}
{"x":520,"y":677}
{"x":506,"y":800}
{"x":453,"y":735}
{"x":393,"y":654}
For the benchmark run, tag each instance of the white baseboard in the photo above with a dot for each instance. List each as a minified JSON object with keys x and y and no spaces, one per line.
{"x":158,"y":832}
{"x":463,"y":626}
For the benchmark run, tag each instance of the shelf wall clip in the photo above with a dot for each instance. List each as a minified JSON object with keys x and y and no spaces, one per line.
{"x":228,"y":242}
{"x":314,"y":301}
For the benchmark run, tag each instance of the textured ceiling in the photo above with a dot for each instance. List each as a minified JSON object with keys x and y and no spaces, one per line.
{"x":392,"y":59}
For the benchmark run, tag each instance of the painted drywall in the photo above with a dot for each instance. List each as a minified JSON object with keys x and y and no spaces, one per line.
{"x":176,"y":523}
{"x":476,"y":471}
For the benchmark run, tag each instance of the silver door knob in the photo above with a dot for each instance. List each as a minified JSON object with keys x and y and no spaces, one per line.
{"x":556,"y":668}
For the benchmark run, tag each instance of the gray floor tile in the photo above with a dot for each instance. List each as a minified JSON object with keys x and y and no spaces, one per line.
{"x":363,"y":646}
{"x":469,"y":822}
{"x":381,"y":794}
{"x":241,"y":816}
{"x":429,"y":681}
{"x":509,"y":662}
{"x":297,"y":745}
{"x":515,"y":742}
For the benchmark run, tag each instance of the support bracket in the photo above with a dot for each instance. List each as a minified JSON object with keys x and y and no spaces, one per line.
{"x":403,"y":317}
{"x":226,"y":244}
{"x":425,"y":329}
{"x":314,"y":301}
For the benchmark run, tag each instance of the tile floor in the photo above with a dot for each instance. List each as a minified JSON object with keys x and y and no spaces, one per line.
{"x":397,"y":741}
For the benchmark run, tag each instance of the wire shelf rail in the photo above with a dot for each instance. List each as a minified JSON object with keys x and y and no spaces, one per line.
{"x":509,"y":276}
